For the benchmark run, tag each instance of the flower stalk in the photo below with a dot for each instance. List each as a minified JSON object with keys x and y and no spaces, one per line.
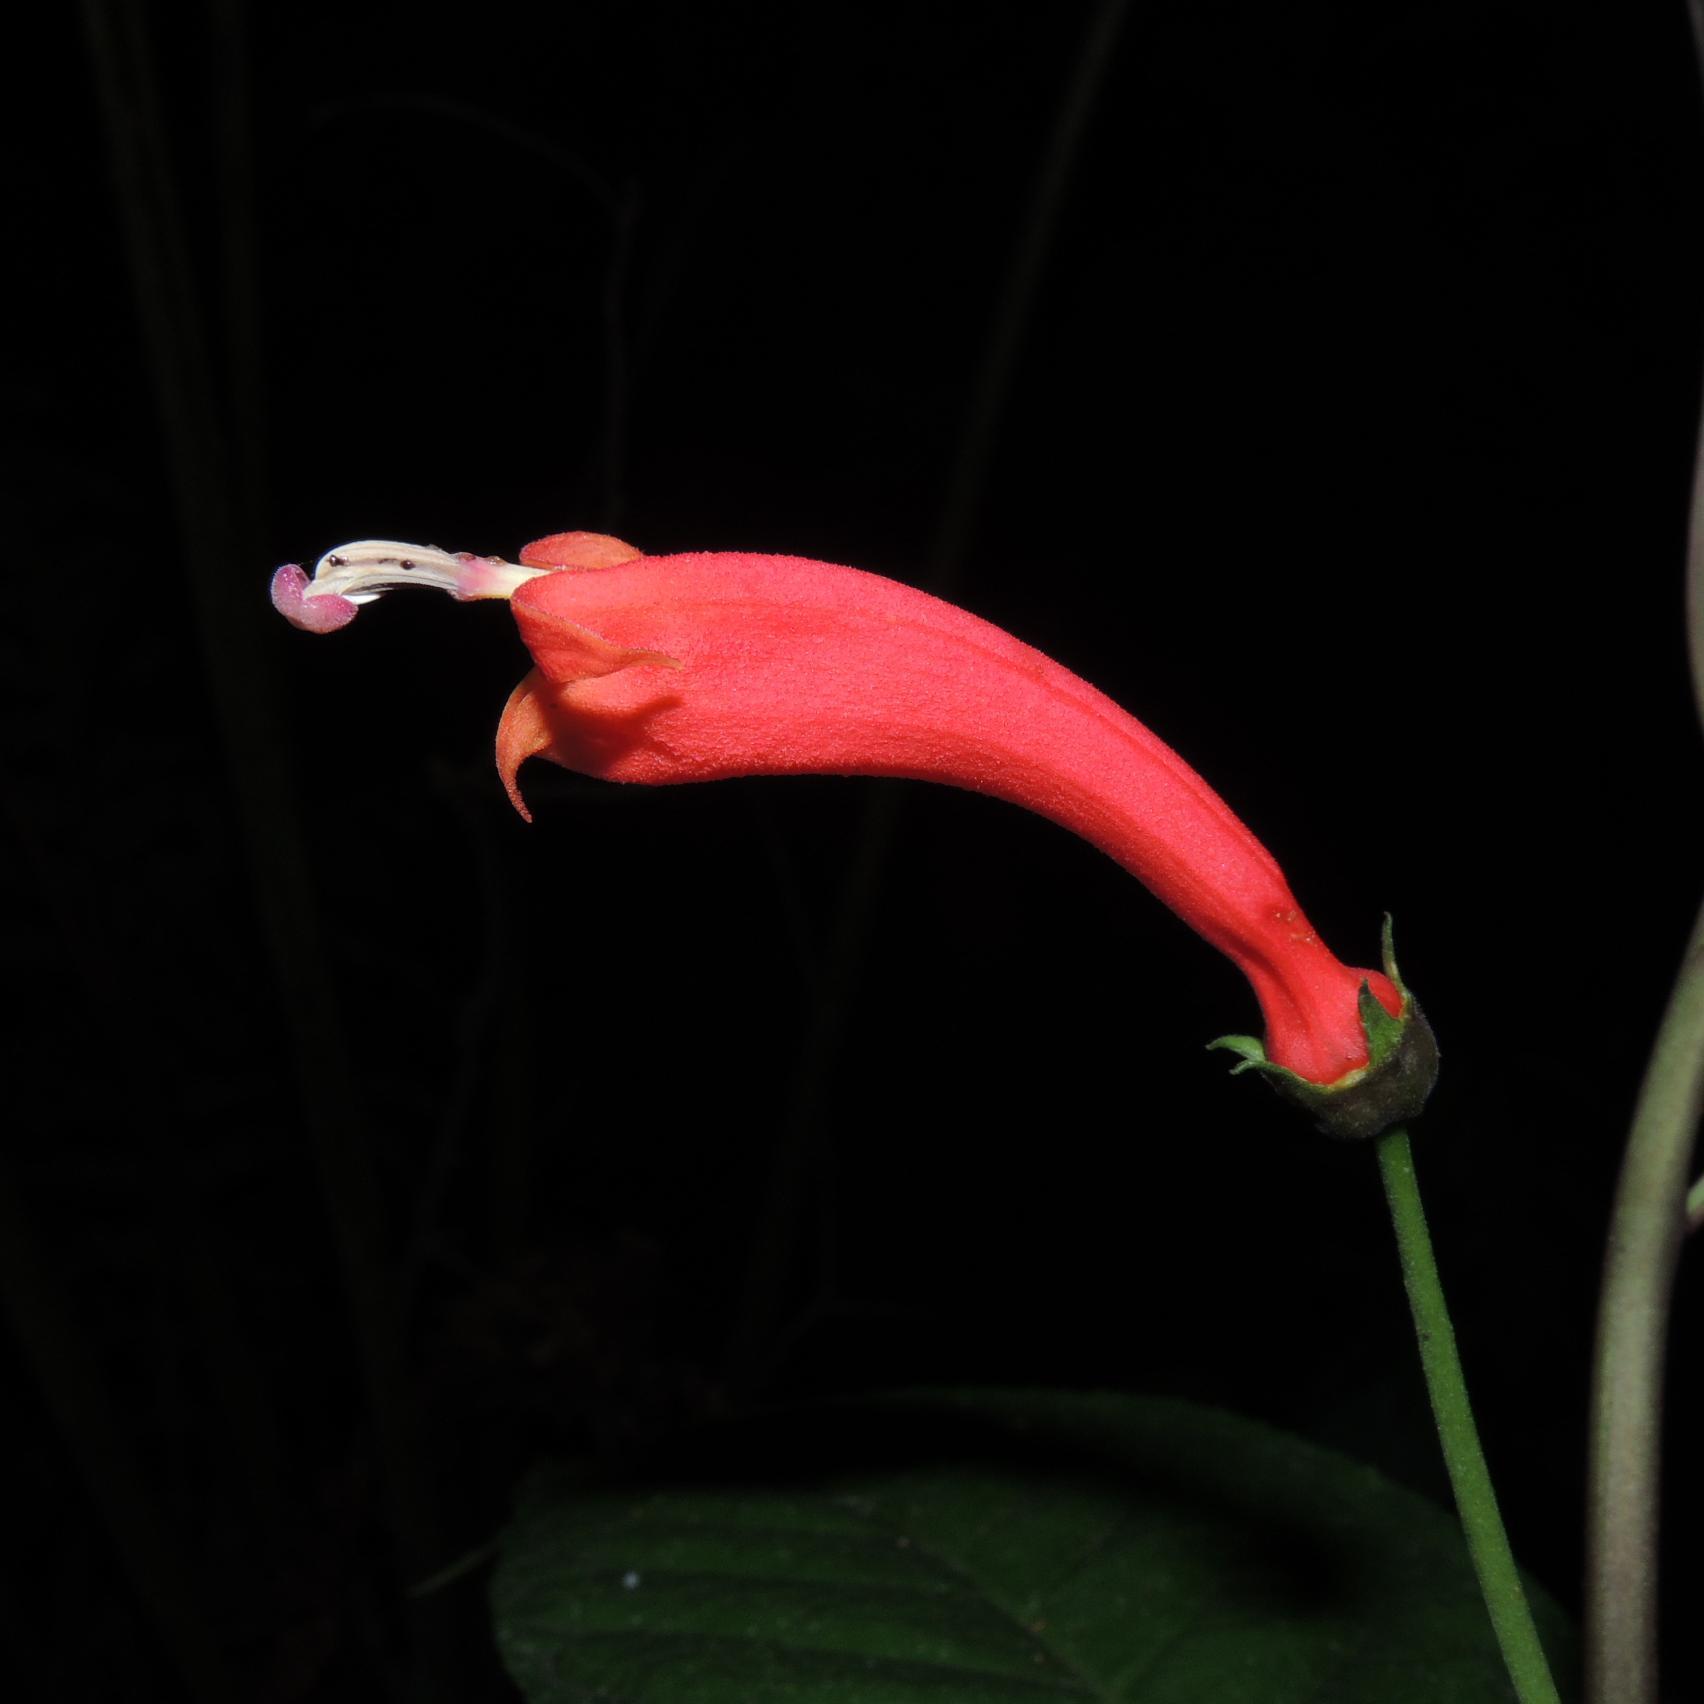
{"x":1464,"y":1459}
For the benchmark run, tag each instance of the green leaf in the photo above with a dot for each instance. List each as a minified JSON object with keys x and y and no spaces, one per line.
{"x":1005,"y":1548}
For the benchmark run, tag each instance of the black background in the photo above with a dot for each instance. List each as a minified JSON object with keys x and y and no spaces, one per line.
{"x":366,"y":1143}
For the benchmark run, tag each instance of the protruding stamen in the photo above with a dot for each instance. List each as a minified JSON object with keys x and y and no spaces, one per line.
{"x":363,"y":571}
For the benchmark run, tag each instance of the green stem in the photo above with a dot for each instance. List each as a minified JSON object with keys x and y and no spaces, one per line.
{"x":1647,"y":1225}
{"x":1652,"y":1213}
{"x":1476,"y":1501}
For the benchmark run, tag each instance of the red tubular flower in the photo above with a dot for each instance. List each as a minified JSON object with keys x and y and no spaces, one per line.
{"x":708,"y":665}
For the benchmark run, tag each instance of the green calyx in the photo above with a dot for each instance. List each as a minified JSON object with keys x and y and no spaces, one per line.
{"x":1391,"y":1088}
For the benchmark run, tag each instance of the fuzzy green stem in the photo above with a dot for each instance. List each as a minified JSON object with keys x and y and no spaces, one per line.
{"x":1647,"y":1225}
{"x":1476,"y":1501}
{"x":1646,"y":1228}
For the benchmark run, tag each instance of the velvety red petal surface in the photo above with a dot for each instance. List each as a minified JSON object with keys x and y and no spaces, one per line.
{"x":705,"y":666}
